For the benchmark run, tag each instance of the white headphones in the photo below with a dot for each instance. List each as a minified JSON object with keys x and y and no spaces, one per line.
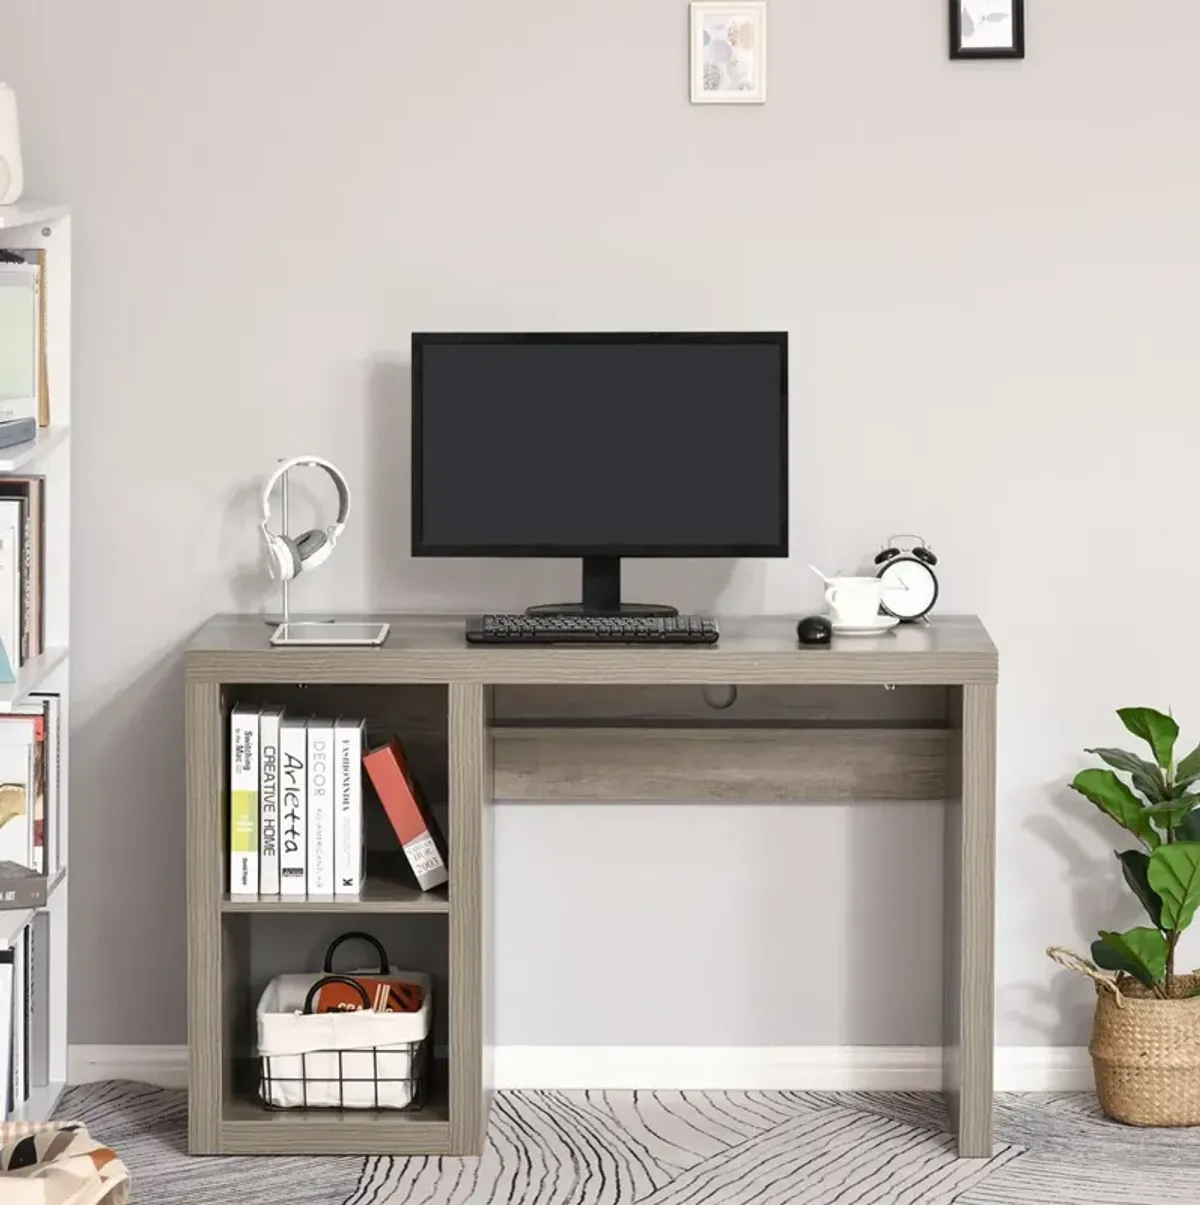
{"x":289,"y":556}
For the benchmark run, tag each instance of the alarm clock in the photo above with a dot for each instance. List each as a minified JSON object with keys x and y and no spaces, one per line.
{"x":910,"y":586}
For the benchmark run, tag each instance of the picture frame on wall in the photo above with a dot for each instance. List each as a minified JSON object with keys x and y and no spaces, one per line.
{"x":987,"y":29}
{"x":728,"y":52}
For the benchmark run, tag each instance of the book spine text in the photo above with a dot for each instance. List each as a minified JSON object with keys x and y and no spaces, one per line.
{"x":293,"y":807}
{"x":320,"y":807}
{"x":243,"y":803}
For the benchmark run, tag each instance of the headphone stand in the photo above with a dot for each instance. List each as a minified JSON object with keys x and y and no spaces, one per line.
{"x":310,"y":632}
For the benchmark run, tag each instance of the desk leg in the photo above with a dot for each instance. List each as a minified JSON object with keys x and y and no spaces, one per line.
{"x":470,"y":917}
{"x":970,"y":922}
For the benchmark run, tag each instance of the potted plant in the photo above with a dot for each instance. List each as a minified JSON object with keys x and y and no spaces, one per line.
{"x":1145,"y":1043}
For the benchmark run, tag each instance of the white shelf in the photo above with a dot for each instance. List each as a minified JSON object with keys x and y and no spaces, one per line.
{"x":13,"y":920}
{"x":20,"y":455}
{"x":30,"y":213}
{"x":41,"y":1103}
{"x":29,"y":677}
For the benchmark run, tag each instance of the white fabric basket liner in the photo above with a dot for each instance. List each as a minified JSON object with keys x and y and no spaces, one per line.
{"x":354,"y":1060}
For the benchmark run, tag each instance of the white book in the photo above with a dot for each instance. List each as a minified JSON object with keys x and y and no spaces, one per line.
{"x":349,"y":740}
{"x":293,"y":805}
{"x":20,"y":337}
{"x":320,"y":807}
{"x":243,"y":801}
{"x":18,"y":738}
{"x":268,"y":801}
{"x":12,"y":596}
{"x":20,"y":1069}
{"x":6,"y":1012}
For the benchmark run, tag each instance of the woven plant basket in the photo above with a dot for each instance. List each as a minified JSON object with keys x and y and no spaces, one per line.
{"x":1145,"y":1050}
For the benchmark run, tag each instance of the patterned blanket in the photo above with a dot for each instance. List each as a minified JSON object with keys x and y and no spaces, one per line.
{"x":58,"y":1163}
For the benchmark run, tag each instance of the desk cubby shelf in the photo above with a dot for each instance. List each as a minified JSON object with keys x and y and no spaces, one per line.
{"x":906,"y":717}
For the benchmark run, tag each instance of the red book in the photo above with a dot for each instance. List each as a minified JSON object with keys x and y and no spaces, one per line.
{"x":418,"y":836}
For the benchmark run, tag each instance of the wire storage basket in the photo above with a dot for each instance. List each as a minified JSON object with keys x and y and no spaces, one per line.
{"x":356,"y":1040}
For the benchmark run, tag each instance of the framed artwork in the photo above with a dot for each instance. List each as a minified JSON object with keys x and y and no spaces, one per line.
{"x":729,"y":52}
{"x":987,"y":29}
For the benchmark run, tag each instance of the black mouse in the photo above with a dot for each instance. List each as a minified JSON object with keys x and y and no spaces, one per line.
{"x":814,"y":629}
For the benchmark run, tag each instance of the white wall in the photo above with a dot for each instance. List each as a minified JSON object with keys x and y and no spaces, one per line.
{"x":989,"y":273}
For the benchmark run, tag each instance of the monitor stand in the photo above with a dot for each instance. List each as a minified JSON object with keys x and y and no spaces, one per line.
{"x":602,"y":594}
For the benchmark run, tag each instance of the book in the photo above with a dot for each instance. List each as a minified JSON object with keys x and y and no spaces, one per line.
{"x":396,"y":788}
{"x":293,"y":805}
{"x":18,"y":431}
{"x":20,"y":338}
{"x":47,"y":816}
{"x":268,"y":801}
{"x":37,"y":710}
{"x":35,"y":258}
{"x":21,"y":887}
{"x":31,"y":491}
{"x":243,"y":801}
{"x":320,"y":807}
{"x":20,"y":1015}
{"x":17,"y":742}
{"x":349,"y":740}
{"x":37,"y":1026}
{"x":12,"y":526}
{"x":7,"y":959}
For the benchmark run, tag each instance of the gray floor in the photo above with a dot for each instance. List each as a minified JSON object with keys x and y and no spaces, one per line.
{"x":682,"y":1148}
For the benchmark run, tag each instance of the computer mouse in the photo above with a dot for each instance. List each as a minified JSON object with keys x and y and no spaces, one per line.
{"x":814,"y":629}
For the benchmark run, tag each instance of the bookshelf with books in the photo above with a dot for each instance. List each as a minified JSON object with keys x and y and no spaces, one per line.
{"x":35,"y":393}
{"x":333,"y":804}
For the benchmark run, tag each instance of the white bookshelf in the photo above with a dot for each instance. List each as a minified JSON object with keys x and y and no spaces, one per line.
{"x":31,"y":224}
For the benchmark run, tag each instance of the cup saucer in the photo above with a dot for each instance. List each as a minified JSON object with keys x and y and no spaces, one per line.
{"x":876,"y":627}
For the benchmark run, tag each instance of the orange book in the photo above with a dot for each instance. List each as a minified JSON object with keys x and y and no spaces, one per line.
{"x":388,"y":771}
{"x":385,"y":996}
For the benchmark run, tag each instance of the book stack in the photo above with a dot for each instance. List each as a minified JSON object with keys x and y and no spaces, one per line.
{"x":30,"y":790}
{"x":25,"y":1024}
{"x":296,"y":795}
{"x":22,"y":571}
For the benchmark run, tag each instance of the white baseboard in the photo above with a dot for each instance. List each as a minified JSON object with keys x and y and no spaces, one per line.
{"x":166,"y":1066}
{"x":812,"y":1068}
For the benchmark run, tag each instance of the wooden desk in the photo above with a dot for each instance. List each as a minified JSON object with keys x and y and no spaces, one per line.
{"x":911,"y":715}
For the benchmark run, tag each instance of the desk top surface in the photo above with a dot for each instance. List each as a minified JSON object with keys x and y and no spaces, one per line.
{"x":952,"y":650}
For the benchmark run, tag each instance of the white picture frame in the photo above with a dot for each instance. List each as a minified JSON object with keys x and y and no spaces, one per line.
{"x":728,"y":52}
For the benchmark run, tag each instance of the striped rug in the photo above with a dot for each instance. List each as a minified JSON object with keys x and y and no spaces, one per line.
{"x":681,"y":1148}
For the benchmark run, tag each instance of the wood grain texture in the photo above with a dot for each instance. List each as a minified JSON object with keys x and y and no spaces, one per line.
{"x":468,"y":796}
{"x":752,"y":651}
{"x":378,"y":897}
{"x":823,"y":732}
{"x":487,"y":914}
{"x":608,"y":706}
{"x":767,"y":765}
{"x":205,"y":846}
{"x":969,"y":974}
{"x":248,"y":1129}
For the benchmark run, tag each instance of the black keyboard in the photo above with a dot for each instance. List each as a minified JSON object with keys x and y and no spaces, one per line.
{"x":591,"y":629}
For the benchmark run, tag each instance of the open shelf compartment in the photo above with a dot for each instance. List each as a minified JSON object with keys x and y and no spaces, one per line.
{"x":258,"y":947}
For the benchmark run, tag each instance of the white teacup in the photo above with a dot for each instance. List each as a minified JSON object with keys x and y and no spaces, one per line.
{"x":854,"y":601}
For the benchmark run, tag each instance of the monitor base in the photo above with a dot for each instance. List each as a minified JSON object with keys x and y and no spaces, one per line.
{"x":602,"y":595}
{"x":632,"y":610}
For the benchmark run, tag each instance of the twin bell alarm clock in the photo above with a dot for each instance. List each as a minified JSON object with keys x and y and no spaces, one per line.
{"x":910,"y":585}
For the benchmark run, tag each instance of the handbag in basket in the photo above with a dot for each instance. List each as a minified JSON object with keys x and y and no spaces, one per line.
{"x":324,"y":1044}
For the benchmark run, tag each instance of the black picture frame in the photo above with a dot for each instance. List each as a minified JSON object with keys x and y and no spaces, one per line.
{"x":959,"y":52}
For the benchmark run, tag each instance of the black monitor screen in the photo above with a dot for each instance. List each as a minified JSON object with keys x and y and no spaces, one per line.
{"x":624,"y":445}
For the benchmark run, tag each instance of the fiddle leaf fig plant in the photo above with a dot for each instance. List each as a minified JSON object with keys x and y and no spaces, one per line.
{"x":1157,"y":807}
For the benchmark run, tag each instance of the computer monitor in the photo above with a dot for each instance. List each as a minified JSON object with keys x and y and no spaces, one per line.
{"x":600,"y":446}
